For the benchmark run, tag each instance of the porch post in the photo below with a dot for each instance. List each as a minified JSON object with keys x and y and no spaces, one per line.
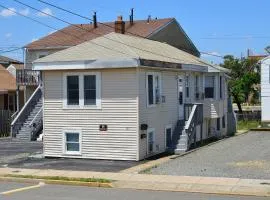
{"x":18,"y":98}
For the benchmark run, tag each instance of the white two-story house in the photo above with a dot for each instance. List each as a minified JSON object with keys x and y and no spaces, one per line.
{"x":128,"y":98}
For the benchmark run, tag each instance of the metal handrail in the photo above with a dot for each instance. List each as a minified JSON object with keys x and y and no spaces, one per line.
{"x":25,"y":105}
{"x":34,"y":119}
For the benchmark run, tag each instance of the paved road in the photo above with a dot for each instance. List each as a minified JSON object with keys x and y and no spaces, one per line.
{"x":244,"y":156}
{"x":53,"y":192}
{"x":74,"y":164}
{"x":8,"y":148}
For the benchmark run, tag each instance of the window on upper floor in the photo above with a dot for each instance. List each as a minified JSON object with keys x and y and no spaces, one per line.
{"x":221,"y":87}
{"x":153,"y":89}
{"x":82,"y":90}
{"x":197,"y":87}
{"x":187,"y":86}
{"x":209,"y":89}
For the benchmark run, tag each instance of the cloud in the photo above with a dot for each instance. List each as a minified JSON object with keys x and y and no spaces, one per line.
{"x":8,"y":35}
{"x":34,"y":39}
{"x":8,"y":12}
{"x":45,"y":10}
{"x":25,"y":12}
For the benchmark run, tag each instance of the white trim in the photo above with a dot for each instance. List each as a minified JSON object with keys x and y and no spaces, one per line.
{"x":81,"y":90}
{"x":165,"y":132}
{"x":71,"y":130}
{"x":149,"y":131}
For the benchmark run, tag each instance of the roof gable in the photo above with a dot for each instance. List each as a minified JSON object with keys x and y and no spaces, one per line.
{"x":59,"y":39}
{"x":119,"y":48}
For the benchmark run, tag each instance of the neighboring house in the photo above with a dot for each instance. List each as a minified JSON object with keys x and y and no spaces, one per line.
{"x":265,"y":91}
{"x":128,"y":100}
{"x":8,"y":91}
{"x":5,"y":61}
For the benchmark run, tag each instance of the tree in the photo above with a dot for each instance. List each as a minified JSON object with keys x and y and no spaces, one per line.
{"x":245,"y":74}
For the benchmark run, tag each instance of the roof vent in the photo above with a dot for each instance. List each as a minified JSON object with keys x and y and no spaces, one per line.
{"x":120,"y":25}
{"x":149,"y":18}
{"x":131,"y":17}
{"x":95,"y":19}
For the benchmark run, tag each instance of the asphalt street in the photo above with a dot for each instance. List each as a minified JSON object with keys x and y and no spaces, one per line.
{"x":22,"y":191}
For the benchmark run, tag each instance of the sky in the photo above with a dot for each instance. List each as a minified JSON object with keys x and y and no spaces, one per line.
{"x":217,"y":27}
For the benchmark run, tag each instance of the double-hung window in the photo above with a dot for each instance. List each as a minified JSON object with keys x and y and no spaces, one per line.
{"x":153,"y":89}
{"x":187,"y":86}
{"x":197,"y":81}
{"x":82,"y":90}
{"x":73,"y":96}
{"x":209,"y":89}
{"x":220,"y":87}
{"x":72,"y":142}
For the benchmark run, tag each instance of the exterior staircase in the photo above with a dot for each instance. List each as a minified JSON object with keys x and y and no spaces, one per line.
{"x":28,"y":123}
{"x":185,"y":131}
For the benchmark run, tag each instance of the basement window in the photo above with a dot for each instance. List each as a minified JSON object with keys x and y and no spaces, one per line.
{"x":72,"y":142}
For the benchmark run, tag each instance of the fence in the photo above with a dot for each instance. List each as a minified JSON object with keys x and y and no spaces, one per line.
{"x":5,"y":121}
{"x":249,"y":116}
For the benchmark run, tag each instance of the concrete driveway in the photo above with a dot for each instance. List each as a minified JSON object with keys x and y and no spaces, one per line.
{"x":244,"y":156}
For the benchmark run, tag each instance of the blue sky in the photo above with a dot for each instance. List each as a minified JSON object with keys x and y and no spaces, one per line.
{"x":218,"y":27}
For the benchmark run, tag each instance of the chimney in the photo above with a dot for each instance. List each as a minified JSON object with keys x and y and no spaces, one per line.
{"x":95,"y":20}
{"x":120,"y":25}
{"x":131,"y":17}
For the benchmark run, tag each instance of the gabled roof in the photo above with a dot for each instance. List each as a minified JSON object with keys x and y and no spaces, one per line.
{"x":6,"y":60}
{"x":60,"y":40}
{"x":7,"y":81}
{"x":121,"y":50}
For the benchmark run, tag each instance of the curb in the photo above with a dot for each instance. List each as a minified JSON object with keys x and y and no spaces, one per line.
{"x":57,"y":182}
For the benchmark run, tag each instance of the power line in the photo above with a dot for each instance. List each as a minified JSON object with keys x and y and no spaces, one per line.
{"x":7,"y":51}
{"x":75,"y":36}
{"x":87,"y":18}
{"x":84,"y":17}
{"x":117,"y":41}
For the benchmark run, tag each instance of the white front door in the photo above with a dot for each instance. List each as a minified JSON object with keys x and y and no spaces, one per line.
{"x":180,"y":86}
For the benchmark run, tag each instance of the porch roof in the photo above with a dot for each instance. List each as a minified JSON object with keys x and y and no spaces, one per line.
{"x":117,"y":50}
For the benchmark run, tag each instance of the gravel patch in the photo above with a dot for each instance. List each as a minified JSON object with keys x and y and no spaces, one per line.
{"x":245,"y":156}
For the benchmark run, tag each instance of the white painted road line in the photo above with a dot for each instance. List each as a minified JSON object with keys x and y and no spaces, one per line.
{"x":23,"y":189}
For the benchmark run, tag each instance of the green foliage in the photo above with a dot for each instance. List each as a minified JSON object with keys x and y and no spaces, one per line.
{"x":245,"y":74}
{"x":60,"y":178}
{"x":246,"y":125}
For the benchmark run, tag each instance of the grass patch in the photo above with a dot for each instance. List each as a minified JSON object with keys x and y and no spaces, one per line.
{"x":61,"y":178}
{"x":148,"y":170}
{"x":246,"y":125}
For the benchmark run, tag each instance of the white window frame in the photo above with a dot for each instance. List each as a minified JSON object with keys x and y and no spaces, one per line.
{"x":81,"y":90}
{"x":149,"y":131}
{"x":64,"y":139}
{"x":165,"y":132}
{"x":154,"y":74}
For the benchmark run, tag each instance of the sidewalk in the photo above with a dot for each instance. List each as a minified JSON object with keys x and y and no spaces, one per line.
{"x":214,"y":185}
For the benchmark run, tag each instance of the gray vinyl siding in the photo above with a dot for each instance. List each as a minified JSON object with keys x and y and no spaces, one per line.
{"x":119,"y":92}
{"x":160,"y":116}
{"x":265,"y":90}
